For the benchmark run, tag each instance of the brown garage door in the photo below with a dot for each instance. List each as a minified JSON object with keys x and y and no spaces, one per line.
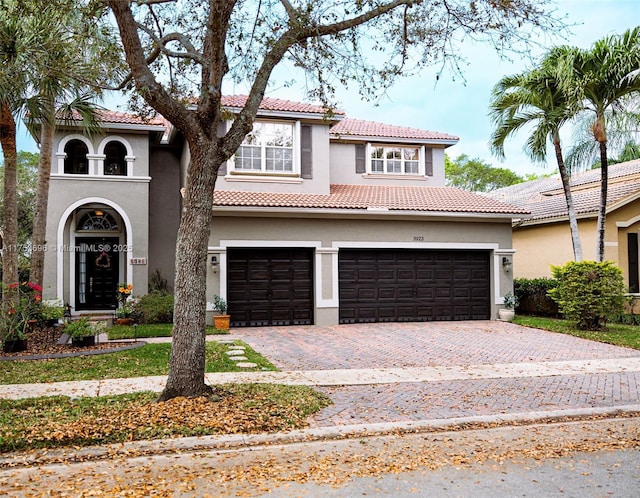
{"x":270,"y":286}
{"x":411,"y":285}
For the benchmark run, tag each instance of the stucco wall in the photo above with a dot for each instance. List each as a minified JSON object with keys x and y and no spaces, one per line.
{"x":327,"y":236}
{"x":318,"y":184}
{"x":129,"y":198}
{"x":164,"y":212}
{"x":343,"y":170}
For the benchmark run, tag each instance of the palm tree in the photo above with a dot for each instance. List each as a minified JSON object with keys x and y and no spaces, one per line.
{"x":535,"y":98}
{"x":15,"y":47}
{"x":601,"y":80}
{"x":64,"y":82}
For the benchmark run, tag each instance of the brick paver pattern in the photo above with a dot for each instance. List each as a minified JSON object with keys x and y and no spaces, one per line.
{"x":396,"y":345}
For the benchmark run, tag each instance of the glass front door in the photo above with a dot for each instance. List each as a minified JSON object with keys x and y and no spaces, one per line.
{"x":97,"y":270}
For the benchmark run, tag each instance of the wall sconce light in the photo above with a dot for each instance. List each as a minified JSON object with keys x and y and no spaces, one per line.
{"x":214,"y":263}
{"x":506,"y":264}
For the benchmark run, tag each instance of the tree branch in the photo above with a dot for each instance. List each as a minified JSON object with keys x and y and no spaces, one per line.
{"x":191,"y":52}
{"x":146,"y":83}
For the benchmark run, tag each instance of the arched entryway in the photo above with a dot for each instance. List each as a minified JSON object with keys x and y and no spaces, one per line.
{"x":97,"y":235}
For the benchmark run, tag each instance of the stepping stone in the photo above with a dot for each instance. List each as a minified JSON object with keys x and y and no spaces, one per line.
{"x":238,"y":358}
{"x":235,"y":352}
{"x":225,"y":341}
{"x":231,"y":348}
{"x":247,"y":364}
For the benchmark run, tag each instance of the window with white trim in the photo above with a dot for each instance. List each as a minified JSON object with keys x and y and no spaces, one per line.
{"x":267,"y":149}
{"x":394,"y":160}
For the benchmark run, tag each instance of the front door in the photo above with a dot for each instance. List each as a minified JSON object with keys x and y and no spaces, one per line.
{"x":97,"y":265}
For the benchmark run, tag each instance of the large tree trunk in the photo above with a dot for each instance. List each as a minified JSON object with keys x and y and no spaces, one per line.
{"x":187,"y":362}
{"x":10,"y":220}
{"x":571,"y":211}
{"x":41,"y":204}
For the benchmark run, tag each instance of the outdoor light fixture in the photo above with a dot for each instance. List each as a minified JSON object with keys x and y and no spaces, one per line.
{"x":506,"y":264}
{"x":214,"y":263}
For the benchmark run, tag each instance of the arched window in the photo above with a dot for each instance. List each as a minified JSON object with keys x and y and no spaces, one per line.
{"x":115,"y":162}
{"x":98,"y":220}
{"x":76,"y":162}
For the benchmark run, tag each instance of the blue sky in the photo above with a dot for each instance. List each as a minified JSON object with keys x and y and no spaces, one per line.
{"x":459,"y":106}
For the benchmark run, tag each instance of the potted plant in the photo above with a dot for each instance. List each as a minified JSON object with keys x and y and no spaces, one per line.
{"x":81,"y":332}
{"x":52,"y":311}
{"x":221,"y":319}
{"x":15,"y":340}
{"x":24,"y":300}
{"x":510,"y":302}
{"x":123,"y":313}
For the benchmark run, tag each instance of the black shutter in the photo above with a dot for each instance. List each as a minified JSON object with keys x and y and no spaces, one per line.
{"x":221,"y":131}
{"x":428,"y":161}
{"x":361,"y":158}
{"x":306,"y":157}
{"x":632,"y":254}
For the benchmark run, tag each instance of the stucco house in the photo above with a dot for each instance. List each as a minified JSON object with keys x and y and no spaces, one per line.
{"x":543,"y":239}
{"x":317,"y":221}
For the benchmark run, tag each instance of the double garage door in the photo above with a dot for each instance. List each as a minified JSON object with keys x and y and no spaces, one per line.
{"x":275,"y":286}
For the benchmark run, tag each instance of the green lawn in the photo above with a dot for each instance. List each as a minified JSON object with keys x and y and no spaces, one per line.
{"x":118,"y":332}
{"x":617,"y":334}
{"x":151,"y":359}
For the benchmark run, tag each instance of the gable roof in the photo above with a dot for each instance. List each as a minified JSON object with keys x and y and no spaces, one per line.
{"x":370,"y":129}
{"x":278,"y":105}
{"x":545,"y":197}
{"x":376,"y":198}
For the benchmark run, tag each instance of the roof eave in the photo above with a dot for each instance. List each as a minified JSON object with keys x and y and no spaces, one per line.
{"x":370,"y":212}
{"x":447,"y":142}
{"x":267,"y":113}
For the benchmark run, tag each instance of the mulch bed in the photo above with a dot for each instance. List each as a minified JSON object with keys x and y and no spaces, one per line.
{"x":44,"y":342}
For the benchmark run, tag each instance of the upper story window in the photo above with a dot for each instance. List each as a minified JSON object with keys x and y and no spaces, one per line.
{"x":76,"y":162}
{"x":115,"y":162}
{"x":395,"y":160}
{"x":268,"y":149}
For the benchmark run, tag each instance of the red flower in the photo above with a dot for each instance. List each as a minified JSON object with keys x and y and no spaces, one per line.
{"x":12,"y":311}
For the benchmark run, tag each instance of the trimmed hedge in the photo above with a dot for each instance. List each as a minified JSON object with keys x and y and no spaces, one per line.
{"x":532,"y":294}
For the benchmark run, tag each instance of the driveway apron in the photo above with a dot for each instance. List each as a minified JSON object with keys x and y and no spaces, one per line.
{"x":469,"y":344}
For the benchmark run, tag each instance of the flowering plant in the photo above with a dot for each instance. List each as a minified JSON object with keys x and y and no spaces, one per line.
{"x":123,"y":293}
{"x":23,"y":303}
{"x":124,"y":311}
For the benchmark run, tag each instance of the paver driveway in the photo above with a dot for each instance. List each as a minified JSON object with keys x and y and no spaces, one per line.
{"x":393,"y":345}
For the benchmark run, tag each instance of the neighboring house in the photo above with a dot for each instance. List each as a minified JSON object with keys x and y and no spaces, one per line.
{"x":544,"y":238}
{"x":317,"y":220}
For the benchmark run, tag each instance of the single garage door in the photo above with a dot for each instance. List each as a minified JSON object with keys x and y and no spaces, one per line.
{"x":270,"y":286}
{"x":413,"y":285}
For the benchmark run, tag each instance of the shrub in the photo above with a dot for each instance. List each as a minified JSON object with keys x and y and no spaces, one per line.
{"x":79,"y":328}
{"x":588,"y":292}
{"x":533,"y":296}
{"x":153,"y":308}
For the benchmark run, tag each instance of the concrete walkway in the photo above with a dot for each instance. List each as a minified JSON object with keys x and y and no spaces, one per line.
{"x":337,"y":377}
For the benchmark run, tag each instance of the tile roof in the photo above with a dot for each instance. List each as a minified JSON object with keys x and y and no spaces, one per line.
{"x":107,"y":116}
{"x":360,"y":128}
{"x":361,"y":197}
{"x":545,"y":197}
{"x":271,"y":104}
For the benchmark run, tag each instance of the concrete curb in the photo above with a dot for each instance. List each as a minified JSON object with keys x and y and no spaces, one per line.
{"x":246,"y":442}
